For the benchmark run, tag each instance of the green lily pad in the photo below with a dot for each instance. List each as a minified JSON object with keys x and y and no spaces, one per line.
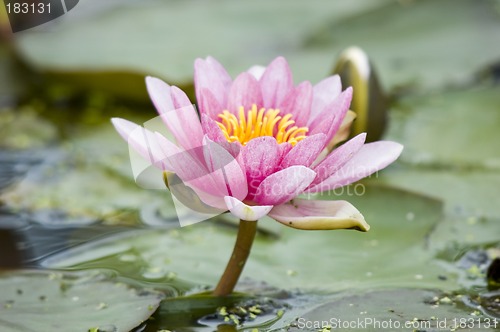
{"x":411,"y":42}
{"x":468,"y":196}
{"x":163,"y":39}
{"x":451,"y":153}
{"x":457,"y":130}
{"x":54,"y":301}
{"x":392,"y":253}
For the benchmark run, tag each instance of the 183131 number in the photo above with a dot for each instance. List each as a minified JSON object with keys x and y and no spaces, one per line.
{"x":28,"y":8}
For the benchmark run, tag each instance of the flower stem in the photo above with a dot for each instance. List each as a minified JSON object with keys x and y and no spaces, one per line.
{"x":241,"y":251}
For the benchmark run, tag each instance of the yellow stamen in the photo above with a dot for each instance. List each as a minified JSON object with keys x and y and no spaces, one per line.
{"x":260,"y":122}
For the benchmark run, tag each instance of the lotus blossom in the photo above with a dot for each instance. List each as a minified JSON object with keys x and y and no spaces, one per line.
{"x":261,"y":145}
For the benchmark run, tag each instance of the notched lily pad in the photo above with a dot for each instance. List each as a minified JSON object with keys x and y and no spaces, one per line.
{"x":54,"y":301}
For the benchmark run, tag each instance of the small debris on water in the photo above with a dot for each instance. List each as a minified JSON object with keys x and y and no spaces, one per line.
{"x":410,"y":216}
{"x":101,"y":306}
{"x":445,"y":300}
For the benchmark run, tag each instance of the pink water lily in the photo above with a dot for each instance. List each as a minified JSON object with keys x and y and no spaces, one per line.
{"x":259,"y":142}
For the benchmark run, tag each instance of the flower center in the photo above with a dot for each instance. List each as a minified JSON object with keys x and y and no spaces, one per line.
{"x":259,"y":123}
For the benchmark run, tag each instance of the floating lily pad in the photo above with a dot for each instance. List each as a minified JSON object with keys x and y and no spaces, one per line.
{"x":411,"y":42}
{"x":457,"y":130}
{"x":472,"y":213}
{"x":54,"y":301}
{"x":164,"y":39}
{"x":451,"y":153}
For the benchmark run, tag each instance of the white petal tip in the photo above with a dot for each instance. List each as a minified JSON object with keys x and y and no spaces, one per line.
{"x":244,"y":211}
{"x":320,"y":215}
{"x":257,"y":71}
{"x":124,"y":127}
{"x":318,"y":223}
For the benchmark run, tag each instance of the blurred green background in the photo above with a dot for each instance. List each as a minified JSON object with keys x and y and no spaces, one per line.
{"x":66,"y":185}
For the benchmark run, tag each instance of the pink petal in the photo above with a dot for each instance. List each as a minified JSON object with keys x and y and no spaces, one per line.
{"x":298,"y":103}
{"x":177,"y":112}
{"x":225,"y":169}
{"x":284,"y":149}
{"x":179,"y":98}
{"x":305,"y":152}
{"x":185,"y":127}
{"x":124,"y":127}
{"x":211,"y":129}
{"x":330,"y":119}
{"x":369,"y":159}
{"x":141,"y":140}
{"x":194,"y":174}
{"x":245,"y":91}
{"x":284,"y":185}
{"x":344,"y":131}
{"x":189,"y":206}
{"x":159,"y":92}
{"x":246,"y":212}
{"x":324,"y":93}
{"x":208,"y":105}
{"x":261,"y":157}
{"x":276,"y":83}
{"x":319,"y":215}
{"x":338,"y":157}
{"x":183,"y":163}
{"x":210,"y":75}
{"x":214,"y":133}
{"x":195,"y":198}
{"x":257,"y":71}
